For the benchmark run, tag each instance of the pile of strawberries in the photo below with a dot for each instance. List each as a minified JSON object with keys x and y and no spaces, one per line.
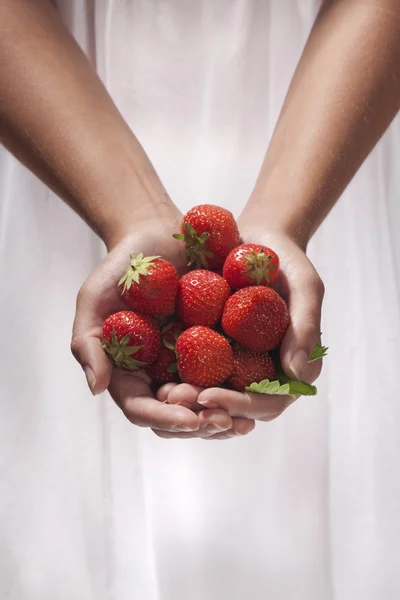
{"x":216,"y":324}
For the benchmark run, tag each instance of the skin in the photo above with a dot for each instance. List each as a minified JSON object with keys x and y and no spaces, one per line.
{"x":346,"y":90}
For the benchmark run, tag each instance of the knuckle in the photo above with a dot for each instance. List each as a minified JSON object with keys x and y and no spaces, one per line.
{"x":316,"y":284}
{"x":84,"y":293}
{"x":320,"y":287}
{"x":76,"y":346}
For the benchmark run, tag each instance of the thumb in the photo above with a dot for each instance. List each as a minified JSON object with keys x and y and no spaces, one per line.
{"x":86,"y":345}
{"x":306,"y":294}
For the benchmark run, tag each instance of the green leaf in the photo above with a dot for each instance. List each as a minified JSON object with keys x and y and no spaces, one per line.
{"x":283,"y":388}
{"x":125,"y":340}
{"x":296,"y":387}
{"x":149,"y":259}
{"x":318,"y":352}
{"x":131,"y":364}
{"x":132,"y":349}
{"x":301,"y":388}
{"x":190,"y":230}
{"x":179,"y":236}
{"x":168,"y":345}
{"x":173,"y":368}
{"x":269,"y":387}
{"x":166,"y":326}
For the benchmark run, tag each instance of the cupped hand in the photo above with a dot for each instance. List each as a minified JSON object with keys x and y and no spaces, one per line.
{"x":301,"y":287}
{"x":97,"y":299}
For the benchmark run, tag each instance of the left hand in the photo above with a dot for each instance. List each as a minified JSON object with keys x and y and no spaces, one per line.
{"x":98,"y":298}
{"x":301,"y":287}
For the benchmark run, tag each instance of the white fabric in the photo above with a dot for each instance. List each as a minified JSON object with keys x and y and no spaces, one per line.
{"x":304,"y":508}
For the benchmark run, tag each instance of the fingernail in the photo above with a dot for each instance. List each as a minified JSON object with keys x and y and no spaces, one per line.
{"x":208,"y":403}
{"x":214,"y":428}
{"x":91,"y":379}
{"x":185,"y":429}
{"x":185,"y":404}
{"x":298,"y":363}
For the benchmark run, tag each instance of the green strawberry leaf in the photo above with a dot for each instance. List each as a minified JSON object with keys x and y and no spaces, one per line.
{"x":296,"y":387}
{"x":166,"y":325}
{"x":173,"y":368}
{"x":179,"y":236}
{"x":318,"y":352}
{"x":301,"y":388}
{"x":132,"y":349}
{"x":168,"y":344}
{"x":269,"y":387}
{"x":283,"y":384}
{"x":288,"y":388}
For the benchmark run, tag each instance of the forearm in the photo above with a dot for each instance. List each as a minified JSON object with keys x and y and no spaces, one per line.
{"x":344,"y":94}
{"x":58,"y":119}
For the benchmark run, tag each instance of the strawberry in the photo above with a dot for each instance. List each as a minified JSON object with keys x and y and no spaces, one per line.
{"x":204,"y":357}
{"x":256,"y":317}
{"x":250,"y":367}
{"x":170,"y":332}
{"x":164,"y":369}
{"x":251,"y":264}
{"x":150,"y":285}
{"x":210,"y":233}
{"x":126,"y":334}
{"x":201,"y":298}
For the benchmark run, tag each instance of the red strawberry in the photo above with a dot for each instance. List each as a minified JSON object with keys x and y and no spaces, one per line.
{"x":150,"y":285}
{"x":126,"y":334}
{"x":256,"y":317}
{"x":204,"y":357}
{"x":170,"y":332}
{"x":164,"y":369}
{"x":250,"y":367}
{"x":251,"y":264}
{"x":210,"y":233}
{"x":201,"y":298}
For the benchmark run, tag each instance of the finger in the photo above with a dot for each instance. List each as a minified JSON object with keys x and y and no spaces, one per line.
{"x":87,"y":348}
{"x":186,"y":395}
{"x":133,"y":396}
{"x":240,"y":427}
{"x":164,"y":390}
{"x":211,"y":422}
{"x":306,"y":292}
{"x":251,"y":406}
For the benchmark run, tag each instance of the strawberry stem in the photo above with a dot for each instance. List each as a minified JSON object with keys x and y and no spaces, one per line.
{"x":121,"y":354}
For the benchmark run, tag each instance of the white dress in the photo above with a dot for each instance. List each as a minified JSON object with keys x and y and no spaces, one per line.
{"x":304,"y":508}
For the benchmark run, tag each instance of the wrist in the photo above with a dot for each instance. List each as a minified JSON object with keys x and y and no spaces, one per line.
{"x":166,"y":223}
{"x":257,"y":222}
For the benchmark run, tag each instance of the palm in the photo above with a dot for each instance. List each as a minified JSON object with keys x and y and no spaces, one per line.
{"x":302,"y":289}
{"x":100,"y":297}
{"x":106,"y":295}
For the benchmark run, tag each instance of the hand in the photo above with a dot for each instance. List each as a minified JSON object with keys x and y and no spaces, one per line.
{"x":303,"y":290}
{"x":98,"y":298}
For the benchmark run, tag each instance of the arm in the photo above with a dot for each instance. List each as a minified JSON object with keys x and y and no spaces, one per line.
{"x":344,"y":94}
{"x":57,"y":118}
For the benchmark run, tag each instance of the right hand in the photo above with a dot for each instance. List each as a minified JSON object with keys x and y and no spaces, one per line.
{"x":97,"y":299}
{"x":303,"y":290}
